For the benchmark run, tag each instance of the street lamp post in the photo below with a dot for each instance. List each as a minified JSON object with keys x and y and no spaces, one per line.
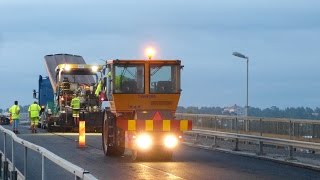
{"x":247,"y":105}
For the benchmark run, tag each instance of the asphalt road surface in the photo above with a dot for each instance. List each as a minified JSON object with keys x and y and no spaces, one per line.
{"x":188,"y":162}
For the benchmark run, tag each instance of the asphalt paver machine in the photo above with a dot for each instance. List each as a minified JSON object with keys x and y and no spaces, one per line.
{"x":70,"y":76}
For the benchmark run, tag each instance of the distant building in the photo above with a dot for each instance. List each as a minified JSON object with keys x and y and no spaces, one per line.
{"x":234,"y":110}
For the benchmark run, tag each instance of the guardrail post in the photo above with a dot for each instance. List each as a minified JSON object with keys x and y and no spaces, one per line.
{"x":4,"y":146}
{"x":5,"y":163}
{"x":231,"y":125}
{"x":313,"y":133}
{"x":260,"y":151}
{"x":237,"y":130}
{"x":290,"y":153}
{"x":290,"y":129}
{"x":214,"y":142}
{"x":0,"y":165}
{"x":12,"y":155}
{"x":5,"y":170}
{"x":13,"y":172}
{"x":77,"y":178}
{"x":293,"y":130}
{"x":215,"y":123}
{"x":196,"y":141}
{"x":43,"y":168}
{"x":14,"y":175}
{"x":236,"y":148}
{"x":261,"y":127}
{"x":25,"y":163}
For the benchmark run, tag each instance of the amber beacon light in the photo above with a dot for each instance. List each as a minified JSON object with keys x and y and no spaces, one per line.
{"x":150,"y":52}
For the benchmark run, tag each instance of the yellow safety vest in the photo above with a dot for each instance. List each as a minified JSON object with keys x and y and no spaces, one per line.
{"x":98,"y":89}
{"x":75,"y":103}
{"x":15,"y":112}
{"x":34,"y":110}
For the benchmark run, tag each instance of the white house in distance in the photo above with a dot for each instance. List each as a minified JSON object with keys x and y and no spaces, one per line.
{"x":234,"y":110}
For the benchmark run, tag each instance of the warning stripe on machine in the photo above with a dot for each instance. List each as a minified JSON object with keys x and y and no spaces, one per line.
{"x":155,"y":125}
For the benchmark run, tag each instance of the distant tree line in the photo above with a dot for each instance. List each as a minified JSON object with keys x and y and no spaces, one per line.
{"x":272,"y":112}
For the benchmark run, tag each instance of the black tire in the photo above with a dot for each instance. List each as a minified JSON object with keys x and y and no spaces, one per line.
{"x":112,"y":146}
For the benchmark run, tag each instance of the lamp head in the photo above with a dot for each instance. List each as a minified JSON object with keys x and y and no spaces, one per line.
{"x":239,"y":55}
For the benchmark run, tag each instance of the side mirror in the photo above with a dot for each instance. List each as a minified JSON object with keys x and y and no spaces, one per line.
{"x":34,"y":94}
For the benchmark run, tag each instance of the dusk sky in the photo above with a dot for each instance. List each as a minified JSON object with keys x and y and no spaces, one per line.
{"x":281,"y":38}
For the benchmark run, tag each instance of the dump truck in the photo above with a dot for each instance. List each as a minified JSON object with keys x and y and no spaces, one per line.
{"x":70,"y":76}
{"x":143,"y":96}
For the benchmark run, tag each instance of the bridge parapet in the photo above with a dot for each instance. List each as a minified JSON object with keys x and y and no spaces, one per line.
{"x":294,"y":129}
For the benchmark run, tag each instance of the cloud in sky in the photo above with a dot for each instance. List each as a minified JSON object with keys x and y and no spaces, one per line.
{"x":280,"y":37}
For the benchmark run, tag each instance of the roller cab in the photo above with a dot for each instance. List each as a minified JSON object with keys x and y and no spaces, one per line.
{"x":143,"y":97}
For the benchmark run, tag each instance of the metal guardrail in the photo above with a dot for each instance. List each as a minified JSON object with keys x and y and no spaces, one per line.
{"x":291,"y":144}
{"x":78,"y":172}
{"x":296,"y":129}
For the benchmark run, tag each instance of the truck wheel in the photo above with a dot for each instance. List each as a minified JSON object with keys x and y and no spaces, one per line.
{"x":120,"y":142}
{"x":106,"y":144}
{"x":112,"y":137}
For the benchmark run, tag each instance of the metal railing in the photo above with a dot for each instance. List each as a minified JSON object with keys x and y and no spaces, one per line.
{"x":295,"y":129}
{"x":78,"y":172}
{"x":259,"y":140}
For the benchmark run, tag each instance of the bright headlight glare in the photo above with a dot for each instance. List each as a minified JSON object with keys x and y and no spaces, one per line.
{"x":170,"y":141}
{"x":67,"y":67}
{"x":94,"y":68}
{"x":144,"y":141}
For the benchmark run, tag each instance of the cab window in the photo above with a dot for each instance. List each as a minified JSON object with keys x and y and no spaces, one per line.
{"x":164,"y":79}
{"x":128,"y":79}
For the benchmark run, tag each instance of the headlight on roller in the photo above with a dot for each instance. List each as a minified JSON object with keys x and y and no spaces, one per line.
{"x":94,"y":69}
{"x":144,"y":141}
{"x":170,"y":141}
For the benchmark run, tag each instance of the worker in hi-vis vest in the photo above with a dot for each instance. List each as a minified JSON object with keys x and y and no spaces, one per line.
{"x":99,"y":88}
{"x":34,"y":111}
{"x":15,"y":114}
{"x":75,"y":105}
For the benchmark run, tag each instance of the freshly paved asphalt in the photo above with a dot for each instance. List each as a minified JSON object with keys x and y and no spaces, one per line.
{"x":188,"y":162}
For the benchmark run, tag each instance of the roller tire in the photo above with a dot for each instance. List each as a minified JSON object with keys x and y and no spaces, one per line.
{"x":110,"y":148}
